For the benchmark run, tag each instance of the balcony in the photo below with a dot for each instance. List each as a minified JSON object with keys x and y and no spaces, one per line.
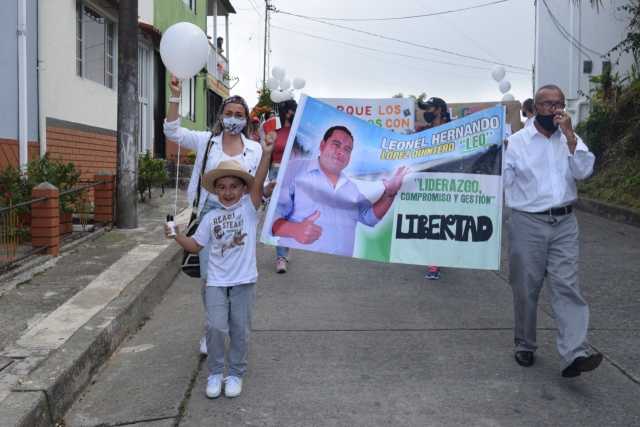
{"x":218,"y":72}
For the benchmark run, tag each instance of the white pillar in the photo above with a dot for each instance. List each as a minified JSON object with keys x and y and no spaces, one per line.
{"x":23,"y":122}
{"x":226,"y":37}
{"x":215,"y":24}
{"x":42,"y":110}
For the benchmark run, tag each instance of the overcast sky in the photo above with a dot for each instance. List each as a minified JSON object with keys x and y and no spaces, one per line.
{"x":502,"y":32}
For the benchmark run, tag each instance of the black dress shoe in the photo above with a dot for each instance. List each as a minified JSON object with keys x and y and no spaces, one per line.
{"x":582,"y":364}
{"x":524,"y":358}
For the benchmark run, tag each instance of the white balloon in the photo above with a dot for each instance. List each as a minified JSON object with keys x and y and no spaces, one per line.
{"x":273,"y":83}
{"x":505,"y":86}
{"x":298,"y":83}
{"x":184,"y":49}
{"x":498,"y":73}
{"x":285,"y":84}
{"x":278,"y":72}
{"x":289,"y":94}
{"x":508,"y":97}
{"x":277,"y":96}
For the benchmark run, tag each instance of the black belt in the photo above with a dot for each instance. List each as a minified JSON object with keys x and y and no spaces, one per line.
{"x":564,"y":210}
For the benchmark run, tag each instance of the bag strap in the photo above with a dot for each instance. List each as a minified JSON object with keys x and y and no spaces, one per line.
{"x":196,"y":201}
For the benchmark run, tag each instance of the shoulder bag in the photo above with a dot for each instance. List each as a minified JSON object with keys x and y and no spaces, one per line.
{"x":191,"y":261}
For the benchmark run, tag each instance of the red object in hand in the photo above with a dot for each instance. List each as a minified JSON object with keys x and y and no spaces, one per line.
{"x":271,"y":124}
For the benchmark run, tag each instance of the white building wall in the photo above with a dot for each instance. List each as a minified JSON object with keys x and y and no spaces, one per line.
{"x":68,"y":96}
{"x":559,"y":62}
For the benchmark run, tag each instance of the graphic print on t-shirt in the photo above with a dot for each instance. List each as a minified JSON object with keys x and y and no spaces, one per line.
{"x":227,"y":230}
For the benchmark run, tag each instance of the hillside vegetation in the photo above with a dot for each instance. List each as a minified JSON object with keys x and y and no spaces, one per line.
{"x":612,"y":130}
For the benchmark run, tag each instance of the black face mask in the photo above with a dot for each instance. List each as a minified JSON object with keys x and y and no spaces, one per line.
{"x":546,"y":122}
{"x":429,"y":116}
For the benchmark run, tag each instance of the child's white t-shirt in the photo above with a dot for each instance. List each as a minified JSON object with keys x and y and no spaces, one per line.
{"x":231,"y":234}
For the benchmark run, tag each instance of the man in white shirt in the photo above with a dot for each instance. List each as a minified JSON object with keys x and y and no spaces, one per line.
{"x":541,"y":166}
{"x":319,"y":206}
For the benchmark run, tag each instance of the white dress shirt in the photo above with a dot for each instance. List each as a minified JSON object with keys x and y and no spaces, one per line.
{"x":306,"y":189}
{"x":540,"y":173}
{"x":197,"y":141}
{"x":529,"y":121}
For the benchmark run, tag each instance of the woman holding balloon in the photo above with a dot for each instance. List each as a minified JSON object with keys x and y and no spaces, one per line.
{"x":184,"y":49}
{"x":228,"y":140}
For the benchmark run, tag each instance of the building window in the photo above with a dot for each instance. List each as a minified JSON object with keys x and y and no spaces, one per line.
{"x":191,"y":4}
{"x":95,"y":45}
{"x":188,"y":100}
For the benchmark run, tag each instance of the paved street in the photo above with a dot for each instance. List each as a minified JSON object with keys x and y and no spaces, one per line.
{"x":344,"y":342}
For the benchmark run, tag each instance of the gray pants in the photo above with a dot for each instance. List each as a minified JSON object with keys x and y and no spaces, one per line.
{"x":542,"y":244}
{"x":229,"y":313}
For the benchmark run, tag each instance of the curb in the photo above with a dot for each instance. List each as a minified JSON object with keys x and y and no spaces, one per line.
{"x":49,"y":391}
{"x":609,"y":211}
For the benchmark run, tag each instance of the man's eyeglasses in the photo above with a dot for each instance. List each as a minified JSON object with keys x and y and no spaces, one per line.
{"x":552,"y":105}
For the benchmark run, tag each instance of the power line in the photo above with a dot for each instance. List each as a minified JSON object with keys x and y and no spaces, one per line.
{"x":458,"y":31}
{"x":394,"y":18}
{"x":388,"y":52}
{"x":255,"y":8}
{"x":568,"y":36}
{"x":563,"y":32}
{"x":475,"y":58}
{"x":430,"y":70}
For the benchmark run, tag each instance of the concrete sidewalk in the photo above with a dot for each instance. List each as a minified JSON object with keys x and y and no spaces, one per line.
{"x":368,"y":344}
{"x":344,"y":342}
{"x":62,"y":317}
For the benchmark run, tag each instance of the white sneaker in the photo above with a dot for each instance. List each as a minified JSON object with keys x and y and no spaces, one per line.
{"x":232,"y":386}
{"x":214,"y":386}
{"x":203,"y":345}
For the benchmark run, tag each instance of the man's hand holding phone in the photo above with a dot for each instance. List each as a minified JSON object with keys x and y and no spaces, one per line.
{"x":563,"y":120}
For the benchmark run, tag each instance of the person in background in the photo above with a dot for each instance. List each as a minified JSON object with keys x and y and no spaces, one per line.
{"x":541,"y":166}
{"x":528,"y":112}
{"x":228,"y":140}
{"x":219,"y":44}
{"x":436,"y":113}
{"x":286,"y":111}
{"x":255,"y":124}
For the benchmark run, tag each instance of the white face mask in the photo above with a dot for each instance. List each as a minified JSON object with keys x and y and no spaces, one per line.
{"x":233,"y":125}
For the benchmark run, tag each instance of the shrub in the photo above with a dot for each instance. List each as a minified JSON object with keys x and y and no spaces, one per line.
{"x":65,"y":176}
{"x":191,"y":158}
{"x":13,"y":188}
{"x":16,"y":187}
{"x":612,"y":132}
{"x":151,"y":172}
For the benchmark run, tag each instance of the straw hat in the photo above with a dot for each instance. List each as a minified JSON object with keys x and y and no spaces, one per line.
{"x":226,"y":168}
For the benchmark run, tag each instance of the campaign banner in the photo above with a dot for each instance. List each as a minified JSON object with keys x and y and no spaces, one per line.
{"x":397,"y":114}
{"x":346,"y":187}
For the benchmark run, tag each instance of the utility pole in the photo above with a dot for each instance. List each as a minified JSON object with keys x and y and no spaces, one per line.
{"x":128,"y":114}
{"x":267,"y":8}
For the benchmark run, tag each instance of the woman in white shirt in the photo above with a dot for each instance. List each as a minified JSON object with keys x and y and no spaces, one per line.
{"x":228,"y":140}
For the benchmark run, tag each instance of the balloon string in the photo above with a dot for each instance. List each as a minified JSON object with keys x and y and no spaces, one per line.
{"x":175,"y":203}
